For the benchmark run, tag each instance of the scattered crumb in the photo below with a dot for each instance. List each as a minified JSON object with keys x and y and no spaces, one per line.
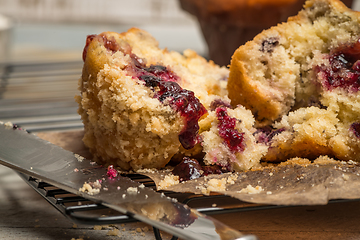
{"x":97,"y":227}
{"x":147,"y":170}
{"x":214,"y":185}
{"x":132,"y":190}
{"x":296,"y":160}
{"x":78,"y":157}
{"x":168,"y":181}
{"x":8,"y":125}
{"x":345,"y":177}
{"x":351,"y":162}
{"x":324,"y":160}
{"x":75,"y":225}
{"x":91,"y":188}
{"x":251,"y":190}
{"x":232,"y":178}
{"x":113,"y":232}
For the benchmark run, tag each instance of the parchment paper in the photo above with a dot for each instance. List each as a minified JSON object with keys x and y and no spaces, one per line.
{"x":284,"y":184}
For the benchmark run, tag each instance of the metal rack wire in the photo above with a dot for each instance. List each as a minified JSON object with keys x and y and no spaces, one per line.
{"x":39,"y":96}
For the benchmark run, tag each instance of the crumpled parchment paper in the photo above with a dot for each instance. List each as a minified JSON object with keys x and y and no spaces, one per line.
{"x":284,"y":184}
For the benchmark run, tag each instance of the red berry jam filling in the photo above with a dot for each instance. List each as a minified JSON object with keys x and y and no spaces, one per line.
{"x":219,"y":103}
{"x":190,"y":169}
{"x":355,"y":128}
{"x":109,"y":43}
{"x":164,"y":83}
{"x":227,"y":131}
{"x":344,"y":69}
{"x":89,"y":39}
{"x":181,"y":100}
{"x":266,"y":134}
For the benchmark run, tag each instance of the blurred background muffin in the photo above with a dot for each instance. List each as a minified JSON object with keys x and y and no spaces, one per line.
{"x":228,"y":24}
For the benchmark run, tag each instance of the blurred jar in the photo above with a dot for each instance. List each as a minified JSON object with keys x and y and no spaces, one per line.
{"x":227,"y":24}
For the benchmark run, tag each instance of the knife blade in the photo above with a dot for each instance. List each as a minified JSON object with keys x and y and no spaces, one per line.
{"x":27,"y":153}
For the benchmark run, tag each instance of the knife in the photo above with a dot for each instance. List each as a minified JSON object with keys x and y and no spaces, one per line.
{"x":29,"y":154}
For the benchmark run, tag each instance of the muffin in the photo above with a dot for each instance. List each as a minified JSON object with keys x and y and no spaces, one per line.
{"x":226,"y":25}
{"x":300,"y":80}
{"x":141,"y":105}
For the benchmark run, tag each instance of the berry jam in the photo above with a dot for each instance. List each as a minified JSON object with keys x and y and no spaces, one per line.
{"x":215,"y":169}
{"x":355,"y":128}
{"x":344,"y":70}
{"x":111,"y":172}
{"x":219,"y":103}
{"x":190,"y":169}
{"x":109,"y":43}
{"x":269,"y":44}
{"x":163,"y":82}
{"x":89,"y":39}
{"x":266,"y":134}
{"x":227,"y":131}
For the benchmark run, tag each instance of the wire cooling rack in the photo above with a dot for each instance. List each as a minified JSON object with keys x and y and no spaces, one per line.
{"x":83,"y":211}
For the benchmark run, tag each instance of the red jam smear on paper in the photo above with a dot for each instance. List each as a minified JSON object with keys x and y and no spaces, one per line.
{"x":190,"y":169}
